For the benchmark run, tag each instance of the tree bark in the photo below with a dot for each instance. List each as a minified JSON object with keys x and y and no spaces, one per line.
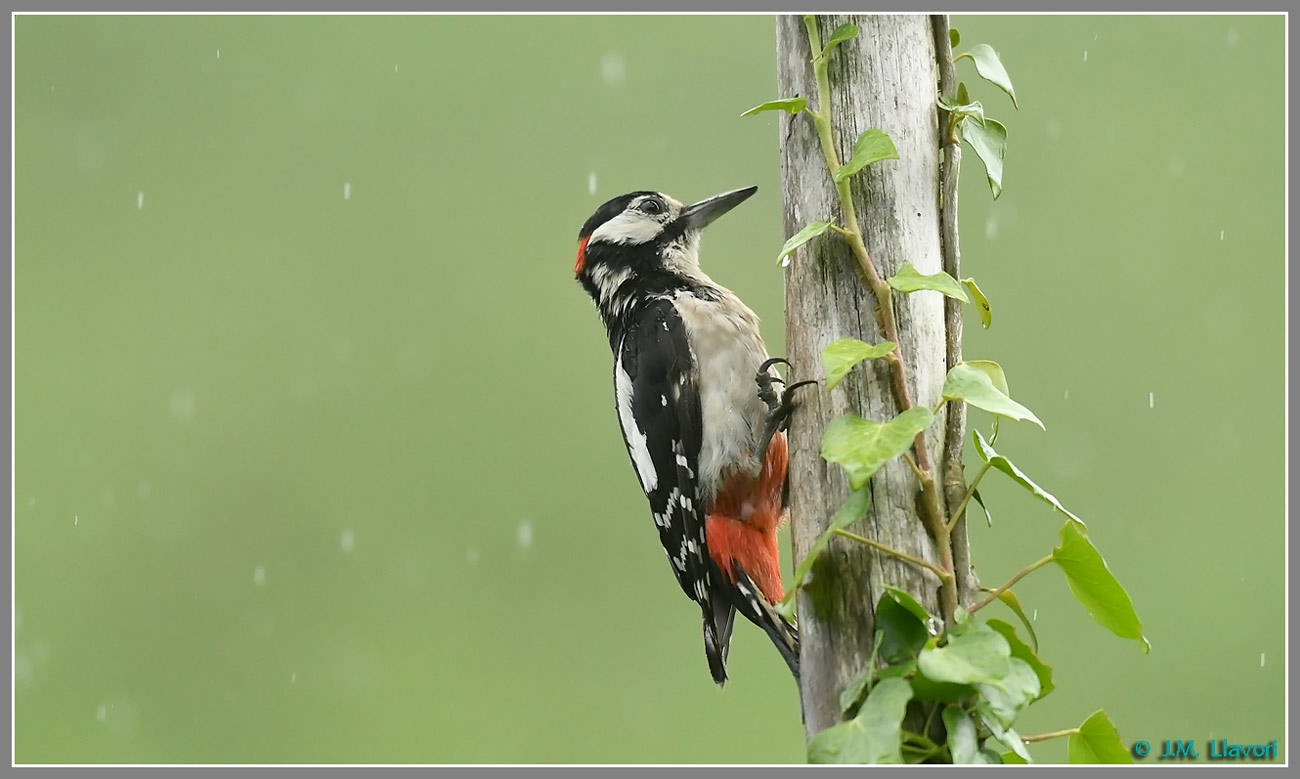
{"x":887,"y":78}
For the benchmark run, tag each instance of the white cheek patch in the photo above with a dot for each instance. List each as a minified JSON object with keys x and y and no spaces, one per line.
{"x":627,"y":228}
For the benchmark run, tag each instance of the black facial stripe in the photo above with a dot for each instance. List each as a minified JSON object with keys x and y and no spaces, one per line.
{"x":610,"y":209}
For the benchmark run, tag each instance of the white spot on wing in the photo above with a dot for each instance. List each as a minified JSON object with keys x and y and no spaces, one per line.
{"x":636,"y":443}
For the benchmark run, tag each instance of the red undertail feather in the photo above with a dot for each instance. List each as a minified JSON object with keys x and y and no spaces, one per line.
{"x":744,"y":519}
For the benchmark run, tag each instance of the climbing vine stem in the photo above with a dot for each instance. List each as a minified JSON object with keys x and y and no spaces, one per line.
{"x":933,"y":513}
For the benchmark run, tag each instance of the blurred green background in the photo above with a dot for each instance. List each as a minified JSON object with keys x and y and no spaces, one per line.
{"x":315,"y":443}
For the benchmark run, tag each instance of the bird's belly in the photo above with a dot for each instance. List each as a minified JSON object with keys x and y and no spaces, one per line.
{"x":728,"y":352}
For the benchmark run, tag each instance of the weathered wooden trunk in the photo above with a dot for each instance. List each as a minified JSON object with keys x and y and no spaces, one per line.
{"x":888,"y":79}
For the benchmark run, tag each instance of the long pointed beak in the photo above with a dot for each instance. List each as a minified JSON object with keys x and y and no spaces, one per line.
{"x":700,"y":215}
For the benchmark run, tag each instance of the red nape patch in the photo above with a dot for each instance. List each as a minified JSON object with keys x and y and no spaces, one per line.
{"x":582,"y":256}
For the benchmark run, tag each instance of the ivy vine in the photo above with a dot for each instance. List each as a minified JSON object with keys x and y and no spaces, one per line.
{"x":971,"y":677}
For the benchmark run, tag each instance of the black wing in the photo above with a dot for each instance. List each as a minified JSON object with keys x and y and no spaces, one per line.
{"x":657,"y":392}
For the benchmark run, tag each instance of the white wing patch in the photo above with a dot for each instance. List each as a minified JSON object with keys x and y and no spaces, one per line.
{"x":636,"y":441}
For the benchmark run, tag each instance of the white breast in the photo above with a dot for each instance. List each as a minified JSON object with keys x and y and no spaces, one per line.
{"x":728,"y":349}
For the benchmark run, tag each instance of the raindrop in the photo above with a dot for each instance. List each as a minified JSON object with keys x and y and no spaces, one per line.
{"x":347,"y":541}
{"x":1067,"y":394}
{"x":394,"y":67}
{"x":613,"y":69}
{"x":1085,"y":55}
{"x":101,"y":713}
{"x":1053,"y":129}
{"x":524,"y":536}
{"x":182,"y":405}
{"x":1151,"y":400}
{"x":144,"y":489}
{"x":31,"y":501}
{"x":293,"y":678}
{"x":218,"y":53}
{"x":1095,"y":37}
{"x":1220,"y":235}
{"x":471,"y":555}
{"x":75,"y":519}
{"x":1232,"y":38}
{"x":108,"y":498}
{"x":259,"y":575}
{"x":347,"y":191}
{"x":785,"y":261}
{"x":139,"y":200}
{"x":591,"y":183}
{"x":1035,"y":619}
{"x":1261,"y":659}
{"x":991,"y":227}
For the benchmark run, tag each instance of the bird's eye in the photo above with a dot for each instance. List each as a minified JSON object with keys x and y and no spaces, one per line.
{"x":652,"y":207}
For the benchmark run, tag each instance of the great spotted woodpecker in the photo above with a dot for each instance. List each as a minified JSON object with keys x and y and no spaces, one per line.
{"x":695,"y":401}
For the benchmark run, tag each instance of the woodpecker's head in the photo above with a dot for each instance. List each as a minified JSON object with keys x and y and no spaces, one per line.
{"x":645,"y":233}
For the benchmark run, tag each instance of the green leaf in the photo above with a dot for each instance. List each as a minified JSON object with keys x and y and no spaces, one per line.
{"x":791,"y":104}
{"x":1011,"y":739}
{"x":1094,"y":586}
{"x":988,"y":455}
{"x":872,"y":146}
{"x":905,"y":600}
{"x":1097,"y":742}
{"x":1012,"y":602}
{"x":845,"y":32}
{"x":980,"y":655}
{"x":1011,"y":758}
{"x":926,"y":689}
{"x":989,"y":140}
{"x":974,"y":109}
{"x":854,"y":509}
{"x":962,"y":95}
{"x":953,"y":37}
{"x":974,"y":383}
{"x":908,"y":279}
{"x":802,"y":237}
{"x":903,"y":633}
{"x":840,"y":357}
{"x":871,"y":737}
{"x":1022,"y":651}
{"x":989,"y":66}
{"x":862,"y":447}
{"x":980,"y":500}
{"x":981,"y":302}
{"x":1005,"y":699}
{"x":962,"y":742}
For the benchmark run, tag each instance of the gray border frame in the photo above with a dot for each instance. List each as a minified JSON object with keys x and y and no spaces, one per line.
{"x":593,"y":6}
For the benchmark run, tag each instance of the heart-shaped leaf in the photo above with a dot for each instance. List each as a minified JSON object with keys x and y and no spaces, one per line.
{"x":1097,"y":742}
{"x":872,"y":147}
{"x":981,"y":302}
{"x":862,"y":447}
{"x":989,"y":65}
{"x":845,"y":32}
{"x":1095,"y":587}
{"x":973,"y":382}
{"x":989,"y":140}
{"x":908,"y":279}
{"x":840,"y":357}
{"x":988,"y":455}
{"x":802,"y":237}
{"x":874,"y":736}
{"x":790,"y":104}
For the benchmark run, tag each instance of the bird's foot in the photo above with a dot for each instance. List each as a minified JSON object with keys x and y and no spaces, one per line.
{"x":780,"y":407}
